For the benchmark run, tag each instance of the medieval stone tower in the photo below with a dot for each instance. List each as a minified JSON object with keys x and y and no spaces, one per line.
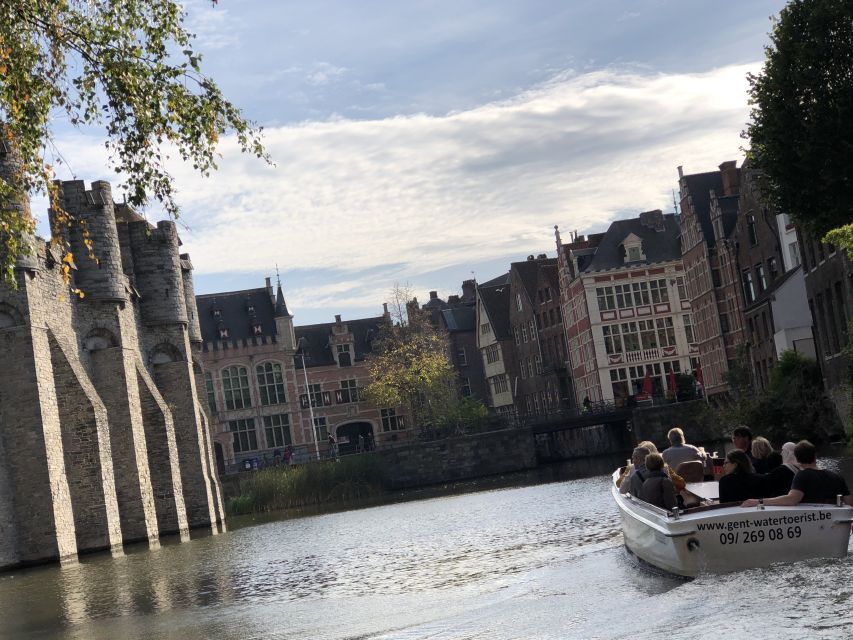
{"x":103,"y":438}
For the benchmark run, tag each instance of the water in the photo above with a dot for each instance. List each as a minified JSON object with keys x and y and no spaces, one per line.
{"x":542,"y":561}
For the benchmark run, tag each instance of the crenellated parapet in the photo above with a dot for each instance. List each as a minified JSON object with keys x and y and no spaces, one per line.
{"x":157,"y":272}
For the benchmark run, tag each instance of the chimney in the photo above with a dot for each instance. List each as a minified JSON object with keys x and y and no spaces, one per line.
{"x":453,"y":300}
{"x":731,"y":178}
{"x":269,"y":289}
{"x":433,"y":295}
{"x":542,"y":256}
{"x":530,"y":257}
{"x":338,"y":319}
{"x":468,"y":289}
{"x":680,"y":172}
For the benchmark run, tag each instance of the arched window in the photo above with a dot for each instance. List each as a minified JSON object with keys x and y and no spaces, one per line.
{"x":235,"y":387}
{"x":270,"y":383}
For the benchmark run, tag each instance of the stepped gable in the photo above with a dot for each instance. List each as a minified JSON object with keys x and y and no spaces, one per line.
{"x":315,"y":340}
{"x":699,"y":186}
{"x":660,"y":244}
{"x":238,"y":312}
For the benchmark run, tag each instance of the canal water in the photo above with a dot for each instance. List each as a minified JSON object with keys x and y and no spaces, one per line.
{"x":543,"y":561}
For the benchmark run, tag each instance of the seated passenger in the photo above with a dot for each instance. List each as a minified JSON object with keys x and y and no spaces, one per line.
{"x":657,"y":488}
{"x":679,"y":452}
{"x":778,"y":482}
{"x":739,"y":480}
{"x":648,"y":444}
{"x":810,"y":484}
{"x":742,"y":439}
{"x":634,"y":480}
{"x":764,"y":459}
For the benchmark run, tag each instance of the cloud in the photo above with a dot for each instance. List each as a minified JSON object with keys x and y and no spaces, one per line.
{"x":323,"y":73}
{"x":424,"y":193}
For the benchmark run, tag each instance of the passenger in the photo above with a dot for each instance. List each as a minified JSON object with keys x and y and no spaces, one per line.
{"x":764,"y":459}
{"x":648,"y":444}
{"x":679,"y":452}
{"x":778,"y":481}
{"x":810,"y":484}
{"x":742,"y":439}
{"x":658,"y":488}
{"x":739,"y":480}
{"x":638,"y":476}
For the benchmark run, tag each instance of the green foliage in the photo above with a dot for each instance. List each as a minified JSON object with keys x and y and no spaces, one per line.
{"x":411,"y":368}
{"x":801,"y":129}
{"x":463,"y":414}
{"x":842,"y":237}
{"x":793,"y":406}
{"x":126,"y":65}
{"x":277,"y":488}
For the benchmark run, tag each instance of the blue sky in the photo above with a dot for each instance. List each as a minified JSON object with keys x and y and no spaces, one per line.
{"x":423,"y":142}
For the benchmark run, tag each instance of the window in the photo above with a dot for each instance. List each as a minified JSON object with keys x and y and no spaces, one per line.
{"x":517,"y":335}
{"x":270,"y":383}
{"x":750,"y":225}
{"x":682,"y":291}
{"x":659,"y":292}
{"x":523,"y":368}
{"x":243,"y":433}
{"x":315,"y":394}
{"x":211,"y":393}
{"x":223,"y":334}
{"x":647,"y":334}
{"x":666,"y":332}
{"x":715,"y":277}
{"x":257,"y":329}
{"x":321,"y":428}
{"x":524,"y":332}
{"x":634,"y":254}
{"x":461,"y":357}
{"x":493,"y":353}
{"x":772,"y":268}
{"x":348,"y":391}
{"x":641,"y":293}
{"x":518,"y":302}
{"x":748,"y":287}
{"x":277,"y":430}
{"x":724,"y":323}
{"x":760,"y":277}
{"x":344,"y":356}
{"x":548,"y":294}
{"x":391,"y":421}
{"x":612,"y":339}
{"x":235,"y":387}
{"x":499,"y":384}
{"x":606,"y":301}
{"x":530,"y":367}
{"x":485,"y":328}
{"x":794,"y":253}
{"x":532,"y":330}
{"x":465,"y":387}
{"x":630,"y":336}
{"x":538,"y":360}
{"x":688,"y":328}
{"x":622,"y":292}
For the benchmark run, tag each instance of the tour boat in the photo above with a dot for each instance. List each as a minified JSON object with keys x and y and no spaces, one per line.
{"x":717,"y":538}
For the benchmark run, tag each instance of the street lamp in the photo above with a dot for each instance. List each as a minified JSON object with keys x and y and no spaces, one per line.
{"x":300,"y":351}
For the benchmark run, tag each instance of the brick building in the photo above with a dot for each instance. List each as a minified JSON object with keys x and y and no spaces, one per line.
{"x":829,"y":290}
{"x":253,"y":356}
{"x":103,"y":438}
{"x":709,"y":206}
{"x":625,"y":308}
{"x":537,"y":328}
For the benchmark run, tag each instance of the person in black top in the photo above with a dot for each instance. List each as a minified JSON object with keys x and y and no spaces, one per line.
{"x":764,"y":459}
{"x":778,"y":482}
{"x":742,"y":439}
{"x":739,"y":480}
{"x":810,"y":484}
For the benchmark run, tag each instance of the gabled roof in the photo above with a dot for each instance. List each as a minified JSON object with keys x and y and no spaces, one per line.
{"x":496,"y":300}
{"x":316,"y":346}
{"x":233,"y":308}
{"x":528,"y":273}
{"x":729,"y":209}
{"x":700,"y":185}
{"x":658,"y":246}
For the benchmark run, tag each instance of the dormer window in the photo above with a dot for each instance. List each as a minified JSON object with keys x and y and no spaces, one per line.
{"x":251,"y":309}
{"x":217,"y":313}
{"x":223,"y":334}
{"x":633,"y":254}
{"x":344,"y":355}
{"x":633,"y":246}
{"x":257,"y":329}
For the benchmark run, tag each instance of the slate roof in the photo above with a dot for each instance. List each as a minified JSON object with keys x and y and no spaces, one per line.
{"x":528,"y":272}
{"x":316,"y":340}
{"x":496,"y":299}
{"x":658,"y":246}
{"x":699,"y":185}
{"x":458,"y":319}
{"x":729,"y":208}
{"x":233,"y":307}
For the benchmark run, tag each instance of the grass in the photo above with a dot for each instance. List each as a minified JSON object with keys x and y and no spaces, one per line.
{"x":278,"y":488}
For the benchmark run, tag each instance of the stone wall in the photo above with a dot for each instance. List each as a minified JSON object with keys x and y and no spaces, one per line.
{"x":584,"y":442}
{"x":474,"y":456}
{"x":699,"y":422}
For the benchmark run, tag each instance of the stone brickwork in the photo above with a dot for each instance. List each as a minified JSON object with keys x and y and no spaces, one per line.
{"x":102,"y":436}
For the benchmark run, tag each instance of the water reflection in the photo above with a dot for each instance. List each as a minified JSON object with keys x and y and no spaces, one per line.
{"x":541,"y":561}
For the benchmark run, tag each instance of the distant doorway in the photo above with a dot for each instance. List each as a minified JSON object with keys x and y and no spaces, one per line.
{"x":354,"y":436}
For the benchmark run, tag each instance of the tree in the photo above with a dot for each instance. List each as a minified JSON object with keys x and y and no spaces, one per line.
{"x":126,"y":65}
{"x":410,"y":367}
{"x":801,"y":129}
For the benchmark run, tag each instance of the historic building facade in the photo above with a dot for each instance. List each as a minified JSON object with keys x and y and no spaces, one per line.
{"x":253,"y":358}
{"x":495,"y":343}
{"x":625,"y":309}
{"x":103,"y":437}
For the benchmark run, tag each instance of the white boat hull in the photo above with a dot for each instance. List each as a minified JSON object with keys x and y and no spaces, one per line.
{"x":727,"y":539}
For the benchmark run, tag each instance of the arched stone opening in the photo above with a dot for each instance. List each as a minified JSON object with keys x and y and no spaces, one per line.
{"x":354,"y":437}
{"x":164,"y":353}
{"x":99,"y":338}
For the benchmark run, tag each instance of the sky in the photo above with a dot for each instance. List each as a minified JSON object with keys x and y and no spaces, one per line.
{"x":423,"y":143}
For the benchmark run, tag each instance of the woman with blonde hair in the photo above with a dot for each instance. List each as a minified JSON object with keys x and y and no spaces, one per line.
{"x":764,"y":459}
